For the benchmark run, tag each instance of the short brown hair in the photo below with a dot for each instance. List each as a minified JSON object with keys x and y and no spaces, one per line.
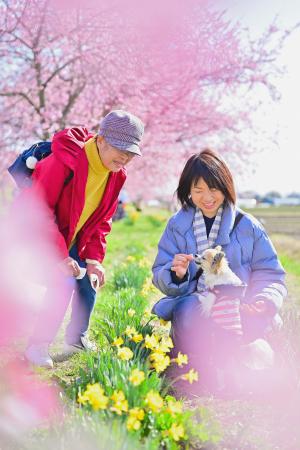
{"x":214,"y":171}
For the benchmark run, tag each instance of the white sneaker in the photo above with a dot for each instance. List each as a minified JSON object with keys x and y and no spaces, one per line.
{"x":84,"y":345}
{"x":38,"y":354}
{"x":258,"y":355}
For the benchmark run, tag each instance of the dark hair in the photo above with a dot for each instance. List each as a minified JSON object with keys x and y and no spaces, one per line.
{"x":214,"y":171}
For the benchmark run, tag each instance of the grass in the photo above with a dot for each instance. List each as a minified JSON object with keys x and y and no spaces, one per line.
{"x":280,"y":211}
{"x":244,"y":425}
{"x":290,"y":265}
{"x":135,"y":238}
{"x":105,"y":376}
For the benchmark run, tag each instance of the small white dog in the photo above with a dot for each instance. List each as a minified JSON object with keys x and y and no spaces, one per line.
{"x":216,"y":272}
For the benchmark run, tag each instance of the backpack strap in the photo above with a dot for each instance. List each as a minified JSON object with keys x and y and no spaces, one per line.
{"x":237,"y":220}
{"x":69,"y":178}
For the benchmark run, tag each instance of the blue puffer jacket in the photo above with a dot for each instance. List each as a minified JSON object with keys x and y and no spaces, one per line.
{"x":248,"y":249}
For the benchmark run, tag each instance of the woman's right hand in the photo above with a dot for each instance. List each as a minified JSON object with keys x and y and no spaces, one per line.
{"x":180,"y":264}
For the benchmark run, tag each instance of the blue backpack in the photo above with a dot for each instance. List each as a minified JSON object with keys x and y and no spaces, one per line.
{"x":22,"y":168}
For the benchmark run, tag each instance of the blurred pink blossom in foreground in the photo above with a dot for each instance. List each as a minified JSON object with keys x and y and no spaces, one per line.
{"x":27,"y":264}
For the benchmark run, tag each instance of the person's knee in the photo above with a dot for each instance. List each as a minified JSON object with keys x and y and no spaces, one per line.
{"x":185,"y":312}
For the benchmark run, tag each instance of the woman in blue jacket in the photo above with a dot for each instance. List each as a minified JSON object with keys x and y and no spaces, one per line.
{"x":207,"y":219}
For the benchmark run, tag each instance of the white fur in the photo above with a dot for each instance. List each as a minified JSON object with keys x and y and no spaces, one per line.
{"x":207,"y":304}
{"x":211,"y":279}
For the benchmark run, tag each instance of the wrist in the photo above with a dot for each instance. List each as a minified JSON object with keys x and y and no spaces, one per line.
{"x":178,"y":280}
{"x":94,"y":267}
{"x":180,"y":277}
{"x":93,"y":261}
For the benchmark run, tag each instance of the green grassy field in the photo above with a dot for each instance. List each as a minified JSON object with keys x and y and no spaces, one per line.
{"x":250,"y":434}
{"x":209,"y":423}
{"x":276,"y":210}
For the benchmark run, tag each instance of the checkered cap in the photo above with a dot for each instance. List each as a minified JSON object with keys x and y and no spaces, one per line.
{"x":122,"y":130}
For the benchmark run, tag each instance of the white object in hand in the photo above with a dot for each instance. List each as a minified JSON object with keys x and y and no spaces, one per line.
{"x":94,"y":281}
{"x":81,"y":274}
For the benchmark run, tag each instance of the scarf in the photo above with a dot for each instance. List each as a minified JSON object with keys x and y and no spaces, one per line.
{"x":204,"y":242}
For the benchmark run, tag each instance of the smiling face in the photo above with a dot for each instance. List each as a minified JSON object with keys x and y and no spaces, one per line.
{"x":207,"y":199}
{"x":112,"y":158}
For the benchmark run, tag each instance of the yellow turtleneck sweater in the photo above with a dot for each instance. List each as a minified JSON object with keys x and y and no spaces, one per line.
{"x":95,"y":186}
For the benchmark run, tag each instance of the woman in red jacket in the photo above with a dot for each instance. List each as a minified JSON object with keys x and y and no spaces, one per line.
{"x":79,"y":183}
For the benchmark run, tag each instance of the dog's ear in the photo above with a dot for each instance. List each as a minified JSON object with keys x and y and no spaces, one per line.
{"x":218,"y":248}
{"x":217,"y":259}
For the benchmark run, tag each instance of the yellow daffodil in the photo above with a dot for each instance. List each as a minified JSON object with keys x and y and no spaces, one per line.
{"x":133,"y":216}
{"x":131,"y":312}
{"x":151,"y":342}
{"x":174,"y":407}
{"x":136,"y":377}
{"x":154,"y":401}
{"x":119,"y":408}
{"x":159,"y":361}
{"x":156,"y":356}
{"x":144,"y":263}
{"x":181,"y":359}
{"x":130,"y":331}
{"x":163,"y":322}
{"x":160,"y":364}
{"x":133,"y":424}
{"x":82,"y":398}
{"x":94,"y":395}
{"x":120,"y":403}
{"x":125,"y":353}
{"x":147,"y":287}
{"x":176,"y":432}
{"x":165,"y":344}
{"x":118,"y":341}
{"x":137,"y":338}
{"x":147,"y":313}
{"x":136,"y":415}
{"x":118,"y":396}
{"x":190,"y":376}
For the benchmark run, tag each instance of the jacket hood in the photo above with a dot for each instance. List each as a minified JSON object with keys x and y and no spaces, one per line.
{"x":67,"y":144}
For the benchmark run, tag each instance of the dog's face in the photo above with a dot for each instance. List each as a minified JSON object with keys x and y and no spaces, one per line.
{"x":212,"y":260}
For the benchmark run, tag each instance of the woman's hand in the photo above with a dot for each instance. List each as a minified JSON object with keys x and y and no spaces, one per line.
{"x":259,"y":308}
{"x":180,"y":264}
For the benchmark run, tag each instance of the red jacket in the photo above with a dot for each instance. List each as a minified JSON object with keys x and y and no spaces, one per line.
{"x":65,"y":203}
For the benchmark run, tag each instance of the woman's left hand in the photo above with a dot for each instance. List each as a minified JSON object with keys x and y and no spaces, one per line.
{"x":259,"y":308}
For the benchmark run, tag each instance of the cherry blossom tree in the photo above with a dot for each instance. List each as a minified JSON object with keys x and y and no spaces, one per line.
{"x":182,"y":68}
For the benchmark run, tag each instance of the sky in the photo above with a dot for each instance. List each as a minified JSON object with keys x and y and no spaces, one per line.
{"x":276,"y":168}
